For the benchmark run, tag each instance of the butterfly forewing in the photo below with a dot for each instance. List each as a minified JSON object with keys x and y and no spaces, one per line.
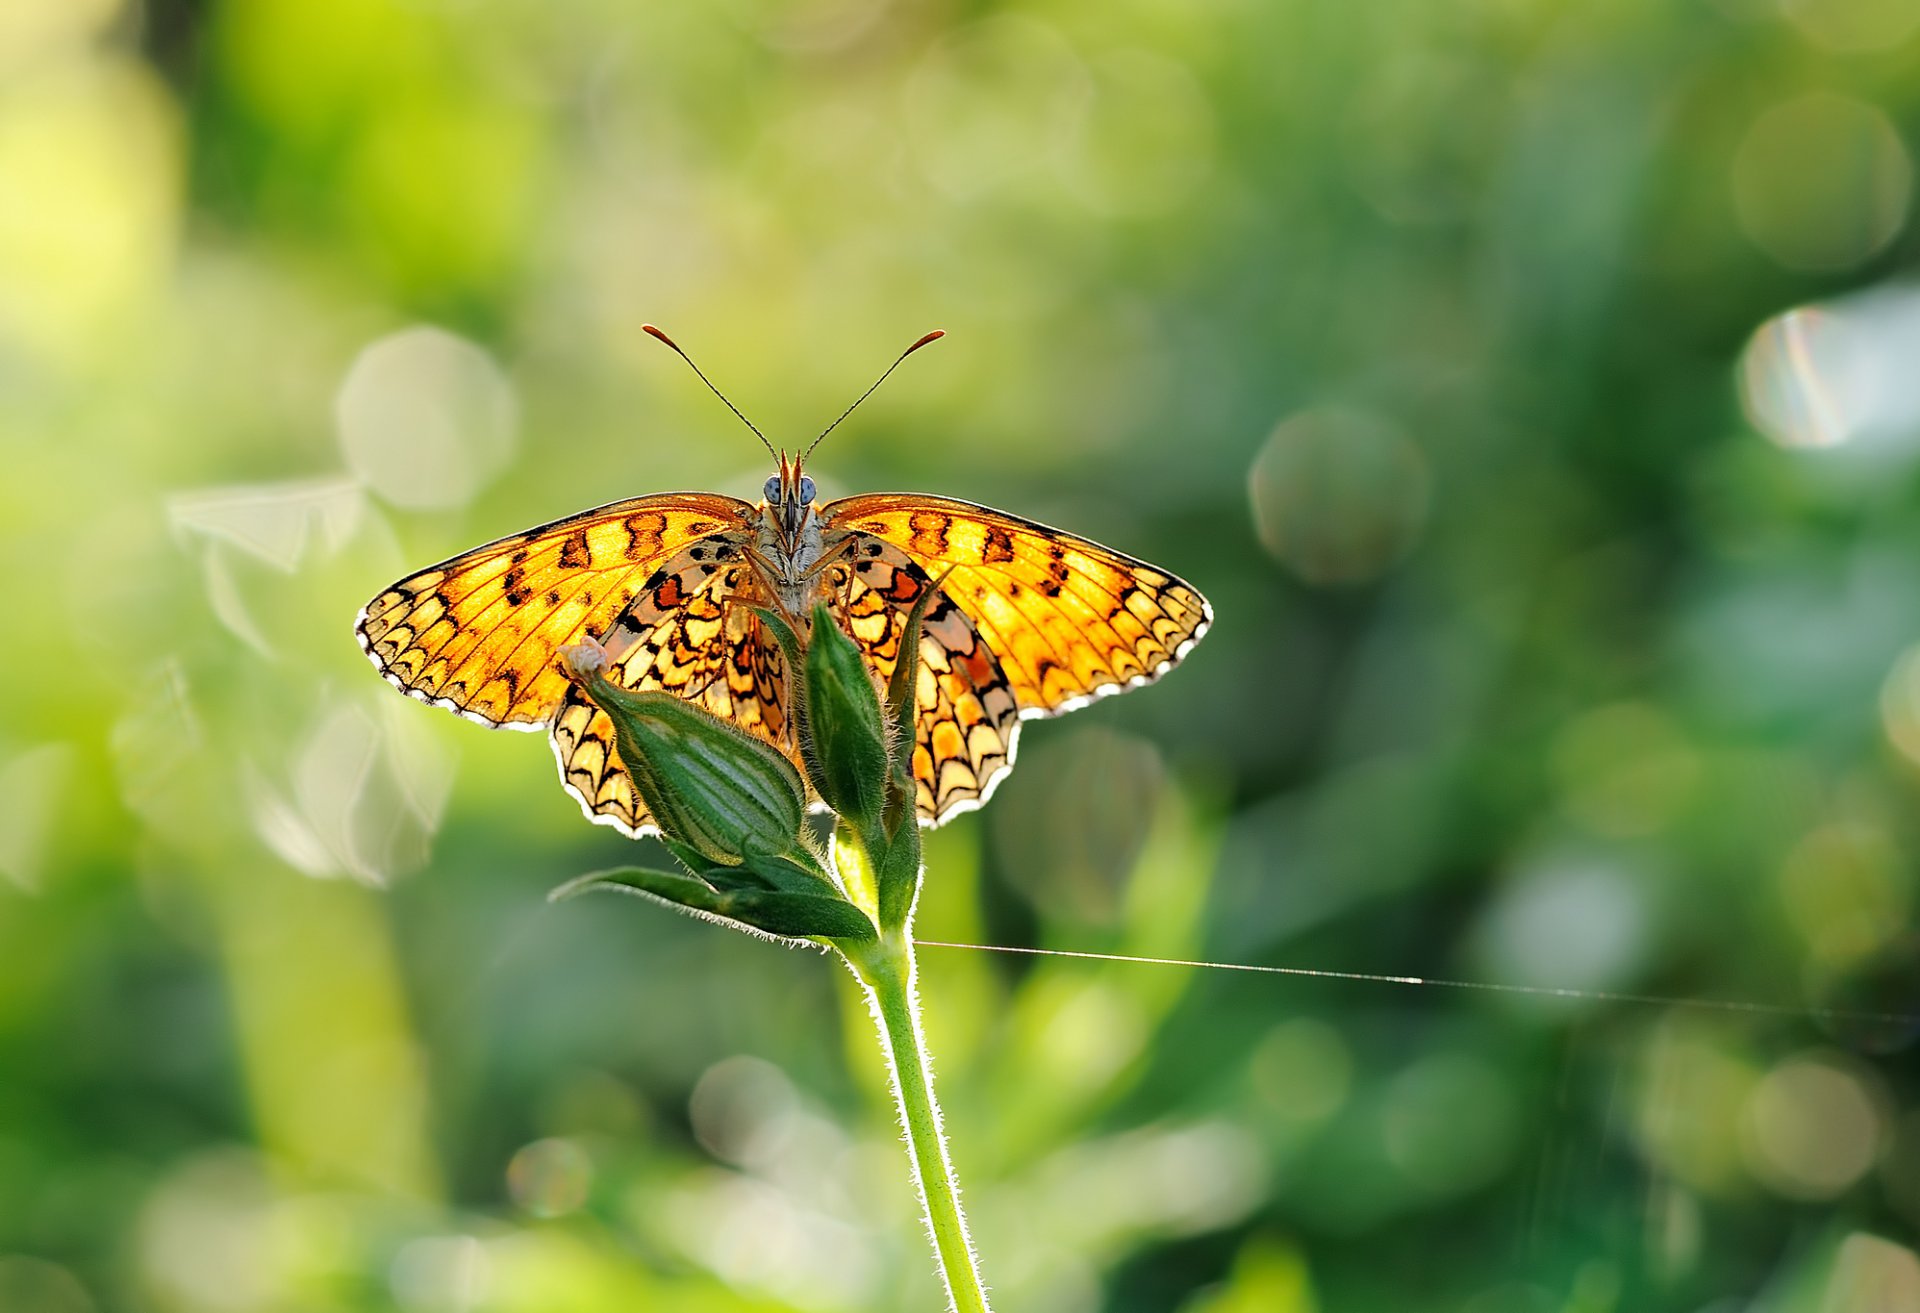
{"x":478,"y":633}
{"x":1067,"y":618}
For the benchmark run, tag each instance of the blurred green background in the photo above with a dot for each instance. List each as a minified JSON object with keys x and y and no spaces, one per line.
{"x":1533,"y":388}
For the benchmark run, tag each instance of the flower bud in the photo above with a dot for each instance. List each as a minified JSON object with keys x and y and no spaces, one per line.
{"x":714,"y":787}
{"x":843,"y":738}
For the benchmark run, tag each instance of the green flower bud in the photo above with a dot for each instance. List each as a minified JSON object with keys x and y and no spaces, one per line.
{"x":709,"y":785}
{"x":843,"y":737}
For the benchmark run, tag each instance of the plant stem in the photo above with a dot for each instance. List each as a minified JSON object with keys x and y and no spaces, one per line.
{"x":887,"y":970}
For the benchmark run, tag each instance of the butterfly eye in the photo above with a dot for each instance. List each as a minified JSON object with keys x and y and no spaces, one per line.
{"x":806,"y":491}
{"x":772,"y":491}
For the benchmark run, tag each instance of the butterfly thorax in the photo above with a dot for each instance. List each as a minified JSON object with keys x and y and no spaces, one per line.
{"x":791,"y":566}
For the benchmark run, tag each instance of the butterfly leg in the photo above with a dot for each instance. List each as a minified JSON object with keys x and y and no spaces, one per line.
{"x":829,"y":557}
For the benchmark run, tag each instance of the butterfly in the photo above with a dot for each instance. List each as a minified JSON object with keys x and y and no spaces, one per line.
{"x":1028,"y":621}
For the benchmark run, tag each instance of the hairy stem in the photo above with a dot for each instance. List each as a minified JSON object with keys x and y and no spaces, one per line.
{"x":887,"y":970}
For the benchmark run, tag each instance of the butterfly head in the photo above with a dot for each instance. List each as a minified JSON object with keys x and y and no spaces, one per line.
{"x":789,"y":493}
{"x":789,"y":498}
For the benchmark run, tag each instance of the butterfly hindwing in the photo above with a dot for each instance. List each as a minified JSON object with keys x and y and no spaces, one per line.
{"x":691,"y":632}
{"x":695,"y":634}
{"x":1068,"y":619}
{"x":967,"y":720}
{"x":477,"y":633}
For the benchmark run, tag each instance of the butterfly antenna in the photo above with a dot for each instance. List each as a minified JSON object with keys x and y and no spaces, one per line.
{"x":650,"y":329}
{"x":934,"y":336}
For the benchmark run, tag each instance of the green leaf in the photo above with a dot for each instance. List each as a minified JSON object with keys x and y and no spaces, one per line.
{"x":783,"y":914}
{"x":790,"y":874}
{"x":800,"y":915}
{"x":670,"y":886}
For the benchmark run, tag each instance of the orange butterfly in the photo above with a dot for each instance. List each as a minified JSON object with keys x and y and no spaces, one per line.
{"x":1030,"y":622}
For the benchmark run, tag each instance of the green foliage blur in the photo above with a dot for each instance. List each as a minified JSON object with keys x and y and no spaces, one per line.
{"x":1531,"y":386}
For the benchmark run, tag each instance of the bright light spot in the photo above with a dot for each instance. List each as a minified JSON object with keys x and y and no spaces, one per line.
{"x":743,"y":1110}
{"x":281,"y":524}
{"x":30,"y":788}
{"x":1158,"y":1180}
{"x":367,"y":794}
{"x":1339,"y":496}
{"x":1088,"y":1034}
{"x":440,"y":1274}
{"x":278,"y":523}
{"x":1448,"y":1123}
{"x":550,"y":1178}
{"x":90,"y":151}
{"x":1900,"y":705}
{"x":1848,"y":891}
{"x":1625,"y":768}
{"x":1303,"y":1069}
{"x":156,"y":748}
{"x":1784,"y":375}
{"x":426,"y":418}
{"x":1569,"y":922}
{"x":1900,"y":1173}
{"x":1838,"y":372}
{"x":206,"y":1237}
{"x":32,"y":1285}
{"x":1202,"y":1177}
{"x":755,"y":1236}
{"x":1692,"y":1089}
{"x":1813,"y":1129}
{"x":1852,"y":26}
{"x":1822,"y":182}
{"x":1873,"y":1275}
{"x":38,"y":31}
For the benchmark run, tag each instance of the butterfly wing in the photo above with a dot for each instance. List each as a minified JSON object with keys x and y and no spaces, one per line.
{"x":967,"y":719}
{"x":477,"y":633}
{"x":691,"y":632}
{"x":1068,"y":619}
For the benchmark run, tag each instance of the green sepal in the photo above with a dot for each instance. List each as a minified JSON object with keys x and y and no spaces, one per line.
{"x":843,"y":739}
{"x":902,"y":708}
{"x":781,"y":914}
{"x":896,"y":870}
{"x":800,"y":872}
{"x":712,"y":787}
{"x":685,"y":854}
{"x":797,"y":874}
{"x":896,"y":851}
